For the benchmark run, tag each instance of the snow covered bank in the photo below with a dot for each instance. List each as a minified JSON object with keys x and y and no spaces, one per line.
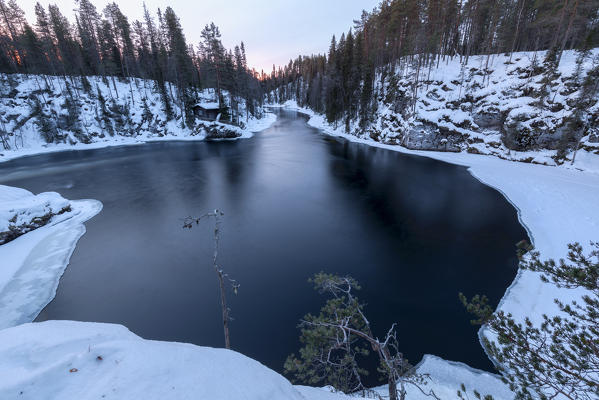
{"x":446,"y":378}
{"x":32,"y":264}
{"x":71,"y":360}
{"x":257,"y":125}
{"x":40,"y":114}
{"x":511,"y":106}
{"x":76,"y":360}
{"x":557,"y":206}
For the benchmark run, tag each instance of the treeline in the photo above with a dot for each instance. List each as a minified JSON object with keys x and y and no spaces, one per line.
{"x":423,"y":33}
{"x":105,"y":43}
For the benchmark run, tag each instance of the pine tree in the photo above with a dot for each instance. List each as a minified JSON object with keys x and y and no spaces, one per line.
{"x":213,"y":54}
{"x":45,"y":124}
{"x":87,"y":20}
{"x":335,"y":339}
{"x":559,"y":357}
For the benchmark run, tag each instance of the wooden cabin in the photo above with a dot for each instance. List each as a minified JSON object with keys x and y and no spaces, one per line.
{"x":209,"y":111}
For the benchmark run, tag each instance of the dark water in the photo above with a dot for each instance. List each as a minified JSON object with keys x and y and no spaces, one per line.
{"x":413,"y":231}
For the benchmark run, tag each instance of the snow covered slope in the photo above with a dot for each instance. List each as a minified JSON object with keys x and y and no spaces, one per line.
{"x":509,"y":108}
{"x":41,"y":114}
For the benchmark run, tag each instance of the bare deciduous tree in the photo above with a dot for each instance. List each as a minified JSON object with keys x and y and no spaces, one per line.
{"x":220,"y":273}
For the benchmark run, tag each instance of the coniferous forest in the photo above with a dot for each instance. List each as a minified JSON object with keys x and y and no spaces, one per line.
{"x":399,"y":30}
{"x":105,"y":44}
{"x":390,"y":56}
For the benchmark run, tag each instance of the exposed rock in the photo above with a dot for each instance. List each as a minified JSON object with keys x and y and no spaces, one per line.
{"x":489,"y":119}
{"x":220,"y":131}
{"x":14,"y":231}
{"x":426,"y":136}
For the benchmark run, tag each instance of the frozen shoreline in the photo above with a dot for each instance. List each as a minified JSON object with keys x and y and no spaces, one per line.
{"x":556,"y":206}
{"x":34,"y":263}
{"x":255,"y":126}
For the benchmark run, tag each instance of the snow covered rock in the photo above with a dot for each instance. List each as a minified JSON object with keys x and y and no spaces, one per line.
{"x":78,"y":361}
{"x":21,"y":211}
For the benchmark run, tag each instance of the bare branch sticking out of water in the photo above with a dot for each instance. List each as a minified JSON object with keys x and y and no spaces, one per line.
{"x":220,"y":273}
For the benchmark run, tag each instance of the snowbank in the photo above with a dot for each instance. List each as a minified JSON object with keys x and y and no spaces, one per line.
{"x":74,"y":360}
{"x":32,"y":264}
{"x":257,"y":125}
{"x":21,"y":211}
{"x":77,"y":360}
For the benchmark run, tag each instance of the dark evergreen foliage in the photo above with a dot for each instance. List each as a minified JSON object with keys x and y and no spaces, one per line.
{"x":104,"y":43}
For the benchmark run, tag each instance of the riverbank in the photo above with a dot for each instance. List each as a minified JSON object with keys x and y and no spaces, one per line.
{"x":76,"y":117}
{"x":556,"y":205}
{"x":441,"y":379}
{"x":254,"y":125}
{"x":531,"y":188}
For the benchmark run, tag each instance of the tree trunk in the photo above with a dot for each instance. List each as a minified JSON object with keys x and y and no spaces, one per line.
{"x":223,"y":302}
{"x":221,"y":279}
{"x":393,"y":389}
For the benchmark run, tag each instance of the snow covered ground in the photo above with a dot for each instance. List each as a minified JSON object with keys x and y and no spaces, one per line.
{"x":75,"y":360}
{"x":501,"y":105}
{"x":131,"y":114}
{"x":72,"y":360}
{"x":32,"y":264}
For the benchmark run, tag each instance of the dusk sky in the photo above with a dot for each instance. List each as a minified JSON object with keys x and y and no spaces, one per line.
{"x":273,"y":31}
